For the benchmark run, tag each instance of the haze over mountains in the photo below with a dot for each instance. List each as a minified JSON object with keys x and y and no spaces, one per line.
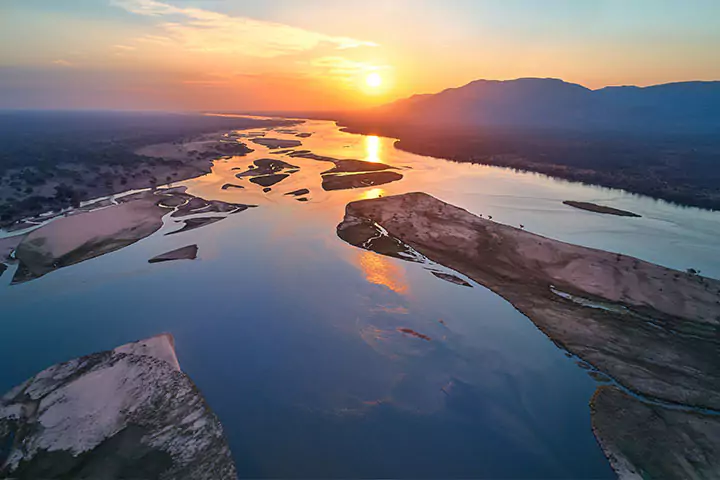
{"x":553,"y":103}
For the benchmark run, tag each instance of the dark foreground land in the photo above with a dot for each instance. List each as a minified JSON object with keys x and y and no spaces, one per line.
{"x":54,"y":160}
{"x":680,"y":168}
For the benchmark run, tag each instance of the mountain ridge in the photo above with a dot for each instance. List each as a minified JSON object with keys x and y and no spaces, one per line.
{"x":553,"y":102}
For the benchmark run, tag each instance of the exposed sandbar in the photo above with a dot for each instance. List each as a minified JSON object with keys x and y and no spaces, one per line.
{"x":75,"y":238}
{"x":273,"y":143}
{"x":297,"y":193}
{"x":593,"y":207}
{"x":125,"y":413}
{"x":183,"y":253}
{"x":358,"y":180}
{"x":353,"y":166}
{"x":193,"y":223}
{"x":85,"y":234}
{"x":269,"y":180}
{"x":650,"y":328}
{"x":448,"y":277}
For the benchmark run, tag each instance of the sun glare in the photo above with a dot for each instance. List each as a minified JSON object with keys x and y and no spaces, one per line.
{"x":373,"y":80}
{"x":372,"y":148}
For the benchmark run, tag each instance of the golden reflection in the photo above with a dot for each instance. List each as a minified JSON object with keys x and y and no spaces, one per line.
{"x":372,"y":148}
{"x":372,"y":193}
{"x":382,"y":271}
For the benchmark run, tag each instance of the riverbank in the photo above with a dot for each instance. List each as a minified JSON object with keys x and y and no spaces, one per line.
{"x":64,"y":165}
{"x":651,"y":329}
{"x":681,"y":169}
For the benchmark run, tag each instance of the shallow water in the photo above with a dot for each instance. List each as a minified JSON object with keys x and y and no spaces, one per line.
{"x":294,"y":336}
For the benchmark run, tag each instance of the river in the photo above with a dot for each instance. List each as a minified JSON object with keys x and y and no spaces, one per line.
{"x":295,"y":337}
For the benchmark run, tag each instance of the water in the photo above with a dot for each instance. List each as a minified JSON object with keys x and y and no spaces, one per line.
{"x":293,"y":335}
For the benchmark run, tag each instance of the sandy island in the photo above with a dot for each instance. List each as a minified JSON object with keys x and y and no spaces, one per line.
{"x":183,"y":253}
{"x":125,"y":413}
{"x":273,"y":143}
{"x":593,"y":207}
{"x":650,"y":328}
{"x":85,"y":233}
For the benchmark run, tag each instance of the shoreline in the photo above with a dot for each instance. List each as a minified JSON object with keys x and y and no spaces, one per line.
{"x":451,"y":149}
{"x":649,"y":328}
{"x":143,"y":166}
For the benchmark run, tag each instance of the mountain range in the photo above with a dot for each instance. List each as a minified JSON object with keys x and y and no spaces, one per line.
{"x":553,"y":103}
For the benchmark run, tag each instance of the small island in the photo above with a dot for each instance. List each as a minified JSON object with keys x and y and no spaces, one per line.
{"x":183,"y":253}
{"x":594,"y":207}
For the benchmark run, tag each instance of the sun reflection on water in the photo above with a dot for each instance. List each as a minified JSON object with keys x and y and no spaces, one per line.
{"x":382,"y":271}
{"x":372,"y":148}
{"x":372,"y":193}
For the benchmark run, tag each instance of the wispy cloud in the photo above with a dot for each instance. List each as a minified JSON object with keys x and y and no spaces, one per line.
{"x":124,"y":48}
{"x":344,"y":68}
{"x":62,"y":63}
{"x":197,"y":29}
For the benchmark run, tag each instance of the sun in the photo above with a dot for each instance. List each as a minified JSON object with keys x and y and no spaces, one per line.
{"x":373,"y":80}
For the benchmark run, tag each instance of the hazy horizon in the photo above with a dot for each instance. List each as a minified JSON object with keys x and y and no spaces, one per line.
{"x":185,"y":55}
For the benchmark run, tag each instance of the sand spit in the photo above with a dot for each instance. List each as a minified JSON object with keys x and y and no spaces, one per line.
{"x":652,"y":329}
{"x":193,"y":223}
{"x":183,"y":253}
{"x":85,"y":234}
{"x":349,"y":173}
{"x":356,"y":166}
{"x":273,"y":143}
{"x":267,"y":172}
{"x":269,"y":180}
{"x":593,"y":207}
{"x":449,"y":277}
{"x":76,"y":238}
{"x":358,"y":180}
{"x":125,"y":413}
{"x":266,"y":166}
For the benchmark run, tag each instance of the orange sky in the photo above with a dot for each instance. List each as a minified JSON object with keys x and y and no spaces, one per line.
{"x":316,"y":54}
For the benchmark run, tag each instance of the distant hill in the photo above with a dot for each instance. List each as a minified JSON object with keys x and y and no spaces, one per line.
{"x":553,"y":103}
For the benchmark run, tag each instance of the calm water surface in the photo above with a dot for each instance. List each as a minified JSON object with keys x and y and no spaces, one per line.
{"x":293,"y":335}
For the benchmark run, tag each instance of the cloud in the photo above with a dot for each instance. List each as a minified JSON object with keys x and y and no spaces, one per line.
{"x":124,"y":48}
{"x":62,"y":63}
{"x":201,"y":30}
{"x":344,"y":68}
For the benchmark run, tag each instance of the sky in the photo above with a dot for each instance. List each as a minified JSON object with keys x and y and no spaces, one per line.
{"x":270,"y":55}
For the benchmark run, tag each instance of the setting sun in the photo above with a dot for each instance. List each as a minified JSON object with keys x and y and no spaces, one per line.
{"x":373,"y":80}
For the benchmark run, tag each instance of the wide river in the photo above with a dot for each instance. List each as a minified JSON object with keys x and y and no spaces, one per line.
{"x":293,"y":335}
